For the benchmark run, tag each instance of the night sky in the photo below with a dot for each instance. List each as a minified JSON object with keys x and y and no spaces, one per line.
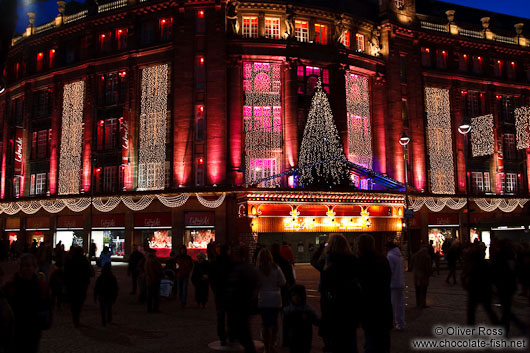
{"x":47,"y":10}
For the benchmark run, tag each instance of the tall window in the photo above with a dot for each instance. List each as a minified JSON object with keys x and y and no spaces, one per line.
{"x":301,"y":29}
{"x":250,"y":27}
{"x":346,"y":39}
{"x":105,"y":42}
{"x":509,"y":146}
{"x":37,"y":184}
{"x":272,"y":27}
{"x":200,"y":72}
{"x":121,"y":38}
{"x":308,"y":76}
{"x":321,"y":34}
{"x":42,"y":106}
{"x":511,"y":182}
{"x":147,"y":33}
{"x":510,"y":70}
{"x":40,"y":61}
{"x":199,"y":122}
{"x":441,"y":59}
{"x":497,"y":68}
{"x":403,"y":68}
{"x":199,"y":172}
{"x":112,"y":88}
{"x":166,"y":28}
{"x":463,"y":62}
{"x":472,"y":103}
{"x":110,"y":179}
{"x":425,"y":57}
{"x":480,"y":182}
{"x":262,"y":121}
{"x":51,"y":58}
{"x":107,"y":134}
{"x":359,"y":40}
{"x":477,"y":64}
{"x":200,"y":22}
{"x":506,"y":108}
{"x":39,"y":144}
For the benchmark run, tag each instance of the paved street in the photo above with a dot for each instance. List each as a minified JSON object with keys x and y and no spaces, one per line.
{"x":190,"y":330}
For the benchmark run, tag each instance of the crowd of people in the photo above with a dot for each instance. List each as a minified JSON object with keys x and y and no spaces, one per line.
{"x":359,"y":288}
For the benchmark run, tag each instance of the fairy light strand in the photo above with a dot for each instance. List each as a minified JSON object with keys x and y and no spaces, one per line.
{"x":262,"y":121}
{"x":522,"y":127}
{"x":359,"y":126}
{"x":153,"y":125}
{"x":482,"y":139}
{"x":439,"y":140}
{"x":71,"y":138}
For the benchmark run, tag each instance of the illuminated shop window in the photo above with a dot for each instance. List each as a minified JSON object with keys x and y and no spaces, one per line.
{"x":301,"y":29}
{"x":308,"y":76}
{"x":250,"y":27}
{"x":272,"y":27}
{"x":321,"y":34}
{"x":346,"y":39}
{"x":359,"y":40}
{"x":262,"y":121}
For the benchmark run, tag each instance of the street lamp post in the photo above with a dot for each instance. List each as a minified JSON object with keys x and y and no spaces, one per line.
{"x":404,"y":141}
{"x":464,"y":129}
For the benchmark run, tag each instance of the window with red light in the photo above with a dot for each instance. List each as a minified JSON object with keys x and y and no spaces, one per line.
{"x":200,"y":72}
{"x":308,"y":76}
{"x":121,"y":38}
{"x":107,"y":134}
{"x":200,"y":22}
{"x":497,"y":68}
{"x":477,"y":64}
{"x":166,"y":28}
{"x":199,"y":171}
{"x":425,"y":57}
{"x":359,"y":42}
{"x":39,"y":144}
{"x":51,"y":58}
{"x":250,"y":27}
{"x":506,"y":108}
{"x":511,"y":70}
{"x":199,"y":122}
{"x":346,"y":39}
{"x":105,"y":42}
{"x":473,"y":103}
{"x":463,"y":62}
{"x":40,"y":61}
{"x":321,"y":34}
{"x":441,"y":59}
{"x":272,"y":27}
{"x":301,"y":30}
{"x":112,"y":88}
{"x":480,"y":182}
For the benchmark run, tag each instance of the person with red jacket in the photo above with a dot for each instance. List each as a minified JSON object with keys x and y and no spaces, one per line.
{"x":287,"y":253}
{"x":185,"y":265}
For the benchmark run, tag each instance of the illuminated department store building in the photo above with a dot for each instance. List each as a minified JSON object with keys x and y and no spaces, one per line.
{"x":133,"y":121}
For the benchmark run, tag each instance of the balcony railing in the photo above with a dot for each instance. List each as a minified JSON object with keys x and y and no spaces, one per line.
{"x":112,"y":6}
{"x":504,"y":39}
{"x":470,"y":33}
{"x":74,"y":17}
{"x":45,"y":27}
{"x":434,"y":26}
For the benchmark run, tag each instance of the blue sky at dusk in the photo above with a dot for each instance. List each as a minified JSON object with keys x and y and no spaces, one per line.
{"x":47,"y":10}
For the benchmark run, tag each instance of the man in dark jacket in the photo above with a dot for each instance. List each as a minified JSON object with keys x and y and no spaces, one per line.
{"x":132,"y":269}
{"x":77,"y":273}
{"x":28,"y":297}
{"x":220,"y":269}
{"x":376,"y":306}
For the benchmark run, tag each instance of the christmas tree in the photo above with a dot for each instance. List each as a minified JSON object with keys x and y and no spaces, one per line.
{"x":322,"y":161}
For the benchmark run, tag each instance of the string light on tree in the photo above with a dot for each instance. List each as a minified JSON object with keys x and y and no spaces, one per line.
{"x":153,"y":125}
{"x":320,"y":143}
{"x":522,"y":127}
{"x":262,"y":121}
{"x":482,"y":139}
{"x":359,"y":126}
{"x":71,"y":138}
{"x":439,"y":140}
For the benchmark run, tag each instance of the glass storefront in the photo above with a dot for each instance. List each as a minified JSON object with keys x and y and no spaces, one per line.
{"x":439,"y":235}
{"x":159,"y":240}
{"x":113,"y":239}
{"x":196,"y":240}
{"x":69,"y":238}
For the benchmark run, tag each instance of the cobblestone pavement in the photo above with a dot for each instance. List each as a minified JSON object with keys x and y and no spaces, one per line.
{"x":189,"y":330}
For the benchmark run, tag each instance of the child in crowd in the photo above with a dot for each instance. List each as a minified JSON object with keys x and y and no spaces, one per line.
{"x":106,"y":291}
{"x":298,"y":319}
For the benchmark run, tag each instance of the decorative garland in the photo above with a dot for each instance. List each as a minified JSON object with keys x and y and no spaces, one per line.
{"x":437,"y":204}
{"x":211,"y":204}
{"x":81,"y":204}
{"x":504,"y":205}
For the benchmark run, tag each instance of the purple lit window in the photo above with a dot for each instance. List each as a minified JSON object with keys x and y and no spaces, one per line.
{"x":308,"y":76}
